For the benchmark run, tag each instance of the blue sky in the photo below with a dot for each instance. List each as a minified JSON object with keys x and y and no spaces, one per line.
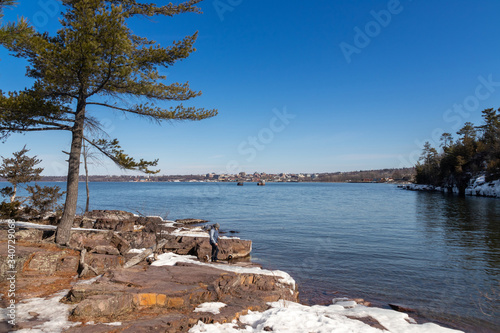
{"x":301,"y":86}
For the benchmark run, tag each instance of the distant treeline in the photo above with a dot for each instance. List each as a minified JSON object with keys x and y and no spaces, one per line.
{"x":403,"y":174}
{"x":474,"y":153}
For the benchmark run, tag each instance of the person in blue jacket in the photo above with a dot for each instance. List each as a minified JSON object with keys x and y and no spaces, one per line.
{"x":214,"y":241}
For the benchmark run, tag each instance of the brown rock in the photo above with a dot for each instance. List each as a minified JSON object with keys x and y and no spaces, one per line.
{"x":190,"y":221}
{"x":48,"y":263}
{"x":228,"y":248}
{"x":98,"y":306}
{"x":120,"y":243}
{"x":29,"y":235}
{"x":144,"y":220}
{"x":115,"y":225}
{"x":83,"y":222}
{"x":90,"y":239}
{"x":110,"y":215}
{"x":103,"y":262}
{"x":402,"y":308}
{"x":170,"y":289}
{"x":105,"y":249}
{"x":99,"y":242}
{"x":139,"y":240}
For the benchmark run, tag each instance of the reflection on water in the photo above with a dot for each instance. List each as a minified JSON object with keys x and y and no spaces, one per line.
{"x":467,"y":234}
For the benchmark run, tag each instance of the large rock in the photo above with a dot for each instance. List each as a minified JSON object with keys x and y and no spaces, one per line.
{"x":144,"y":220}
{"x":229,"y":248}
{"x":42,"y":269}
{"x":110,"y":215}
{"x":139,"y":240}
{"x":115,"y":225}
{"x":169,"y":295}
{"x":99,"y":242}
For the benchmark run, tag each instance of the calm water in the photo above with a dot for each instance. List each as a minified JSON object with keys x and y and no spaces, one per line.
{"x":437,"y":254}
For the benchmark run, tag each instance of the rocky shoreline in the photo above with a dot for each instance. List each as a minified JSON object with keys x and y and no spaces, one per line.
{"x":127,"y":273}
{"x":478,"y":187}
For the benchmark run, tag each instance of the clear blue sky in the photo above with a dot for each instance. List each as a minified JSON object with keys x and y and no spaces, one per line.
{"x":301,"y":86}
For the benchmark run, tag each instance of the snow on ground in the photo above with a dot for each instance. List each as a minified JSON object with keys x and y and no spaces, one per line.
{"x":480,"y":187}
{"x":290,"y":317}
{"x":49,"y":309}
{"x":136,"y":250}
{"x":170,"y":259}
{"x":196,"y":232}
{"x":31,"y":225}
{"x":213,"y":307}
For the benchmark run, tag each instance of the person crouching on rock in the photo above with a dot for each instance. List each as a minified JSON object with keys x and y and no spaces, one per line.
{"x":214,"y":241}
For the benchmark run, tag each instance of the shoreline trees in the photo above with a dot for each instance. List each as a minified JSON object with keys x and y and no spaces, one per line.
{"x":475,"y":152}
{"x":94,"y":60}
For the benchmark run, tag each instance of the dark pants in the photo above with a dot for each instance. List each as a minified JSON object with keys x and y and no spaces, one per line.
{"x":215,"y":252}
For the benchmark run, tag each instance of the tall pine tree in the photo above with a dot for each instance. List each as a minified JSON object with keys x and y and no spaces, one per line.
{"x":92,"y":59}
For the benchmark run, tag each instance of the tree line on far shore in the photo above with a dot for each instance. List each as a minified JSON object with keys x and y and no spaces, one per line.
{"x":474,"y":153}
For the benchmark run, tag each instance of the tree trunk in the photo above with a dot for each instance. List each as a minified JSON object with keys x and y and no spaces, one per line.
{"x":14,"y":191}
{"x":85,"y":151}
{"x":63,"y":233}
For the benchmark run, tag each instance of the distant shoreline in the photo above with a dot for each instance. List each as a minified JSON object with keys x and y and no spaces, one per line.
{"x":397,"y":176}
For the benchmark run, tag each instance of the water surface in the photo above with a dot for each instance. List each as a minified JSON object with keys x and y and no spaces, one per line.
{"x":435,"y":253}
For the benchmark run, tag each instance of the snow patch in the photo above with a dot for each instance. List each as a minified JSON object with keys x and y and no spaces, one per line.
{"x":213,"y":307}
{"x":136,"y":250}
{"x":49,"y":309}
{"x":290,"y":317}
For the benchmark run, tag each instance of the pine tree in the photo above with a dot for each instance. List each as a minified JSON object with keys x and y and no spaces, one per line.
{"x":19,"y":169}
{"x":94,"y":58}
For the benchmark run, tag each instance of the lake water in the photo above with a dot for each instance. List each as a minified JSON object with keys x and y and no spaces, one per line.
{"x":435,"y":253}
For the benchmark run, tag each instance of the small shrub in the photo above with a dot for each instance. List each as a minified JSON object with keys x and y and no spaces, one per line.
{"x":44,"y":199}
{"x":10,"y":210}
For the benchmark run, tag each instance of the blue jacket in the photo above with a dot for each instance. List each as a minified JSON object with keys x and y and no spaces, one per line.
{"x":214,"y":236}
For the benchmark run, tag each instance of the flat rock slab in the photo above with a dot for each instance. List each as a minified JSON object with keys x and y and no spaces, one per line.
{"x":168,"y":295}
{"x":42,"y":269}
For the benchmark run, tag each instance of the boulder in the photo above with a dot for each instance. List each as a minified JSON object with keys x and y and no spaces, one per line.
{"x":144,"y":220}
{"x":402,"y":308}
{"x":150,"y":223}
{"x":139,"y":240}
{"x":89,"y":239}
{"x":104,"y":262}
{"x":29,"y":235}
{"x":98,"y":306}
{"x":229,"y":248}
{"x":120,"y":243}
{"x":83,"y":222}
{"x":115,"y":225}
{"x":110,"y":215}
{"x":98,"y":241}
